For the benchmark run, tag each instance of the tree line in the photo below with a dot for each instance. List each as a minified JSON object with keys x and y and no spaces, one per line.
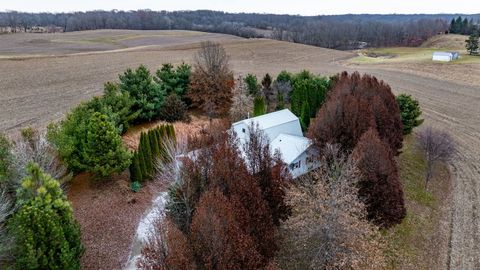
{"x":339,"y":32}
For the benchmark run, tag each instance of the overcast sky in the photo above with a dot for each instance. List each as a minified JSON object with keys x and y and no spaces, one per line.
{"x":303,"y":7}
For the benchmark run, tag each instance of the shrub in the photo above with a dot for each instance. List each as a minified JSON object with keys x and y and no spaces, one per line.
{"x":259,"y":107}
{"x":46,"y":234}
{"x":104,"y":153}
{"x":135,"y":186}
{"x":410,"y":112}
{"x":252,"y":84}
{"x":212,"y":80}
{"x":285,"y":76}
{"x":379,"y":186}
{"x":147,"y":95}
{"x":173,"y":109}
{"x":89,"y":142}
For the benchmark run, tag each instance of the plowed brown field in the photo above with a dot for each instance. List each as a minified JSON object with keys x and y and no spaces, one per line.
{"x":40,"y":82}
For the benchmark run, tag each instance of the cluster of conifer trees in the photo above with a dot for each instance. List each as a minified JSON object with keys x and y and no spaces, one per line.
{"x":152,"y":147}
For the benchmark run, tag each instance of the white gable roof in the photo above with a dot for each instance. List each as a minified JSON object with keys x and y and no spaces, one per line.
{"x":291,"y":147}
{"x":270,"y":120}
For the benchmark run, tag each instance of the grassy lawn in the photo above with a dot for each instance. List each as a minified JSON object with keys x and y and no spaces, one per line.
{"x":408,"y":54}
{"x":409,"y":243}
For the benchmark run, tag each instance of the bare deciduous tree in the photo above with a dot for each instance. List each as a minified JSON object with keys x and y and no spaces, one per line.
{"x":212,"y":80}
{"x":436,"y":146}
{"x":328,"y":228}
{"x":166,"y":248}
{"x":242,"y":102}
{"x":33,"y":146}
{"x":6,"y":243}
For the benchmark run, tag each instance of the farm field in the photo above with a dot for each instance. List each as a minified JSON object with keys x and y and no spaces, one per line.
{"x":418,"y":60}
{"x":39,"y":84}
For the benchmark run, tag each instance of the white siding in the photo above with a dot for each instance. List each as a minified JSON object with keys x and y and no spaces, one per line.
{"x":304,"y":165}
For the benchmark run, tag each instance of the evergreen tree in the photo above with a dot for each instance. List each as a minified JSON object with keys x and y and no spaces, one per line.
{"x":410,"y":112}
{"x":280,"y":102}
{"x":46,"y":233}
{"x":258,"y":106}
{"x":104,"y":153}
{"x":154,"y":143}
{"x":135,"y":169}
{"x":267,"y":91}
{"x":252,"y":84}
{"x":472,"y":44}
{"x":305,"y":116}
{"x":147,"y":153}
{"x":147,"y":95}
{"x":142,"y":163}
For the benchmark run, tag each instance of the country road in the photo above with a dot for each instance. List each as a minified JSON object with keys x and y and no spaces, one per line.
{"x":37,"y":91}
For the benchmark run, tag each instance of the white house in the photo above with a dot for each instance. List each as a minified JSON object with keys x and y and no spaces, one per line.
{"x":445,"y":56}
{"x":283,"y":130}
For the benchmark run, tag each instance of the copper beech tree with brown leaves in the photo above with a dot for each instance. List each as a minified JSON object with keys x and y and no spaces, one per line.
{"x":355,"y":104}
{"x":225,"y":211}
{"x":211,"y":81}
{"x":379,"y":185}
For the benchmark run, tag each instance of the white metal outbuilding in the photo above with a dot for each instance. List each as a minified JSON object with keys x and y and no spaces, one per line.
{"x":445,"y":56}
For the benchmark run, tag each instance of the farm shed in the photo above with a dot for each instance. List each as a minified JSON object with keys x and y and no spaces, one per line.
{"x":445,"y":56}
{"x":284,"y":133}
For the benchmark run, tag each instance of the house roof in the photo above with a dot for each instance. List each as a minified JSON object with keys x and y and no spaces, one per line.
{"x":291,"y":147}
{"x":270,"y":120}
{"x":444,"y":53}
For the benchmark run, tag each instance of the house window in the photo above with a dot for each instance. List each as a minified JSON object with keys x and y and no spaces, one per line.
{"x":243,"y":130}
{"x":295,"y":165}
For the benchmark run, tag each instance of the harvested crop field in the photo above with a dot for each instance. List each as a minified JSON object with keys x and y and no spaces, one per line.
{"x":38,"y":89}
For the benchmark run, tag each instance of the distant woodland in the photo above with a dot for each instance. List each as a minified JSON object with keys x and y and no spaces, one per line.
{"x":338,"y":32}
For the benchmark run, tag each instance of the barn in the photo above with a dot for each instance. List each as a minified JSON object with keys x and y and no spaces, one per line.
{"x":283,"y":130}
{"x":445,"y":56}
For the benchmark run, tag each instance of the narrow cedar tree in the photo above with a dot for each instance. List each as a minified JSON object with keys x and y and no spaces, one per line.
{"x":218,"y":240}
{"x":135,"y":169}
{"x":144,"y":159}
{"x":259,"y":106}
{"x":379,"y":185}
{"x":143,"y":167}
{"x":305,"y":116}
{"x":147,"y":153}
{"x":211,"y":81}
{"x":267,"y":91}
{"x":104,"y":152}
